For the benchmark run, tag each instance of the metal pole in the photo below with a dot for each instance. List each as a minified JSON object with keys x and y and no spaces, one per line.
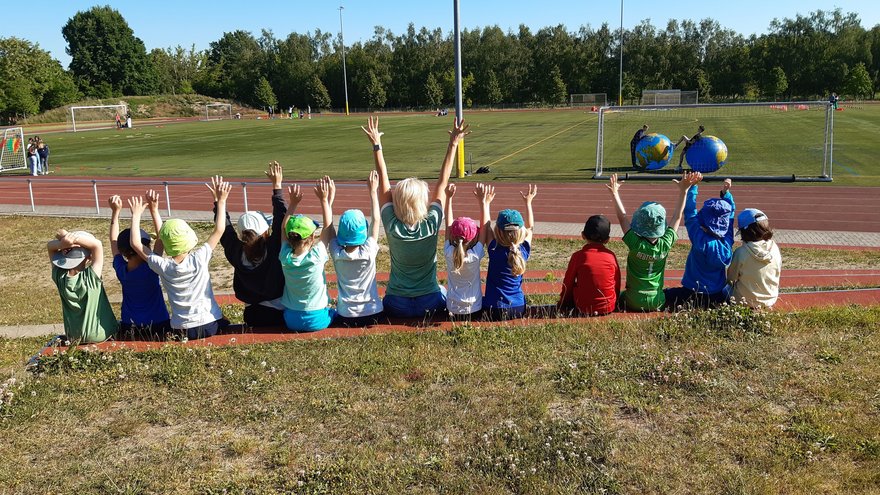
{"x":344,"y":72}
{"x":244,"y":192}
{"x":167,"y":198}
{"x":459,"y":113}
{"x":97,"y":204}
{"x":31,"y":191}
{"x":620,"y":84}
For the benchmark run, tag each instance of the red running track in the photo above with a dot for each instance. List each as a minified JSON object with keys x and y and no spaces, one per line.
{"x":796,"y":207}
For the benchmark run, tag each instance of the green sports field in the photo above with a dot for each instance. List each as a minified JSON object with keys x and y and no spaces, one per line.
{"x":517,"y":145}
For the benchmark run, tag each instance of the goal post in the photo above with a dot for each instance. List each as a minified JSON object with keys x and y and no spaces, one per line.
{"x":781,"y":141}
{"x":94,"y":117}
{"x":588,"y":100}
{"x":218,"y":111}
{"x":13,"y":149}
{"x":669,"y":97}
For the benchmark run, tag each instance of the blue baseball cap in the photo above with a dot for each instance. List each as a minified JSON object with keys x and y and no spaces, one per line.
{"x":123,"y":241}
{"x":749,"y":216}
{"x":509,"y":219}
{"x":715,"y":216}
{"x":352,"y":230}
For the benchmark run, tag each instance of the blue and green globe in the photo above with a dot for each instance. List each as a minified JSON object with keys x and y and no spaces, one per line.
{"x":707,"y":155}
{"x":654,"y":151}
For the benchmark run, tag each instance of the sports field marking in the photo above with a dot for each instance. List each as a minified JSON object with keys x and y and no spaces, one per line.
{"x":535,"y":143}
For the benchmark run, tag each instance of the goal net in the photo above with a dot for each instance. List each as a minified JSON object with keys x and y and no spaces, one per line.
{"x":93,"y":117}
{"x":218,"y":111}
{"x":669,"y":97}
{"x":588,"y":99}
{"x":765,"y":141}
{"x":12,"y":149}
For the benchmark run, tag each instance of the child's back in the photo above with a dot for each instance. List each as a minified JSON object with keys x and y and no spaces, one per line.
{"x":756,"y":266}
{"x":356,"y":279}
{"x":142,"y":300}
{"x":592,"y":279}
{"x":464,"y":294}
{"x":711,"y":243}
{"x":645,"y":270}
{"x":88,"y":316}
{"x":188,"y":285}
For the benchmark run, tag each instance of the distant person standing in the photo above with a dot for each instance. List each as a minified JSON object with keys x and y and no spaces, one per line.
{"x":128,"y":120}
{"x":834,"y":100}
{"x":118,"y":121}
{"x":32,"y":158}
{"x":290,"y":113}
{"x":634,"y":142}
{"x":688,"y":143}
{"x":43,"y":156}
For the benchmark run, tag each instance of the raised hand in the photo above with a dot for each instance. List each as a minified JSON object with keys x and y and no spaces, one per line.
{"x":725,"y":187}
{"x":450,"y":191}
{"x":115,"y":203}
{"x":529,"y":196}
{"x":274,"y":173}
{"x":322,"y":188}
{"x":488,"y":193}
{"x":294,"y":194}
{"x":214,"y":186}
{"x":614,"y":184}
{"x":152,"y":200}
{"x":373,"y":181}
{"x":687,"y":180}
{"x":136,"y":205}
{"x":223,"y":191}
{"x":458,"y":132}
{"x":372,"y":130}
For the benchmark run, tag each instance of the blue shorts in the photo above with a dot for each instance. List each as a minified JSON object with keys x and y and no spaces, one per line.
{"x":308,"y":321}
{"x":206,"y":330}
{"x":414,"y":307}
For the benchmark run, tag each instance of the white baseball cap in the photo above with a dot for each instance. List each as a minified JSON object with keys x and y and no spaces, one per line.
{"x":253,"y":220}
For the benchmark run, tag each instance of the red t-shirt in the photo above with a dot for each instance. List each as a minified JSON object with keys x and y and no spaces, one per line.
{"x":592,"y":280}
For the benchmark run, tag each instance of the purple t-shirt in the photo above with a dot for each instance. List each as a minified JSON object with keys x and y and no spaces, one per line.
{"x":142,"y":301}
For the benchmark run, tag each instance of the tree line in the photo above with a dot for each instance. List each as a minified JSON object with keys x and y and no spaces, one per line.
{"x":804,"y":57}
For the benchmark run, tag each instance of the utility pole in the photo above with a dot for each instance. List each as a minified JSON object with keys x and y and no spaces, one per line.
{"x":344,"y":72}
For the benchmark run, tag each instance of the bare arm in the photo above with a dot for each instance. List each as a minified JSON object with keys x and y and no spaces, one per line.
{"x":458,"y":132}
{"x":115,"y":207}
{"x":450,"y":192}
{"x":687,"y":180}
{"x":63,"y":240}
{"x":486,"y":194}
{"x":622,"y":218}
{"x":530,"y":214}
{"x":137,"y":206}
{"x":221,"y":190}
{"x":375,"y":137}
{"x":325,"y":189}
{"x":373,"y":183}
{"x":92,"y":243}
{"x":153,"y":206}
{"x":294,"y":197}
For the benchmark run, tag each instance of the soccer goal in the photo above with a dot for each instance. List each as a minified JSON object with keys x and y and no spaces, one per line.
{"x":588,"y":99}
{"x":12,"y":150}
{"x":94,"y":117}
{"x":771,"y":142}
{"x":218,"y":111}
{"x":669,"y":97}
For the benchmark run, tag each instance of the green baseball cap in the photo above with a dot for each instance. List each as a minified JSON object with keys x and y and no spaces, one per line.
{"x":301,"y":225}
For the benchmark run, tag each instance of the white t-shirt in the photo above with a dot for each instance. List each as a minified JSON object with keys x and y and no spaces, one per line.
{"x":188,"y":285}
{"x":356,"y":279}
{"x":464,"y":294}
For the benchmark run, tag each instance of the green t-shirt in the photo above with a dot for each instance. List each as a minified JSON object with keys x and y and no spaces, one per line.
{"x":413,"y":252}
{"x":88,"y":316}
{"x":645,"y":267}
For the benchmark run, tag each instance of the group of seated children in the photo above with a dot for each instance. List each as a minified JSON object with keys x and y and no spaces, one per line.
{"x":279,"y":269}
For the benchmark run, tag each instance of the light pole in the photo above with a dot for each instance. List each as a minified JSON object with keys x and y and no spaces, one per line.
{"x":620,"y":84}
{"x":458,"y":104}
{"x":344,"y":72}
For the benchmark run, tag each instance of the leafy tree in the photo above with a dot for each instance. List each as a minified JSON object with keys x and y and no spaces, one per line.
{"x":556,"y":91}
{"x":31,"y":80}
{"x":493,"y":89}
{"x":433,"y":91}
{"x":858,"y":82}
{"x":777,"y":83}
{"x":375,"y":93}
{"x":235,"y":64}
{"x":703,"y":85}
{"x":103,"y":48}
{"x":318,"y":95}
{"x":264,"y":96}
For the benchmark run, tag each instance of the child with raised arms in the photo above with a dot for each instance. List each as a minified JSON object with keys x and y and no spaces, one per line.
{"x":354,"y":245}
{"x":649,"y":239}
{"x":465,"y":248}
{"x":144,"y":314}
{"x":77,"y":265}
{"x":303,"y":256}
{"x":510,"y":244}
{"x":185,"y":273}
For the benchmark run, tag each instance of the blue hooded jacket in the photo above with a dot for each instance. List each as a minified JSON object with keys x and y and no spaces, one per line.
{"x":706,"y":268}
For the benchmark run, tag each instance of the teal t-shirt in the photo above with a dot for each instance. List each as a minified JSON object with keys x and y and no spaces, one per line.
{"x":305,"y":286}
{"x":413,"y":252}
{"x":645,"y":269}
{"x":88,"y":316}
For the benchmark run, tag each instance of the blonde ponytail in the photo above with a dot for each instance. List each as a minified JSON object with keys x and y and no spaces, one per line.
{"x":458,"y":255}
{"x":512,"y":239}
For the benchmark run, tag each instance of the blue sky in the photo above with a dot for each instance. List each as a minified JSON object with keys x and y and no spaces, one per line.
{"x":163,"y":23}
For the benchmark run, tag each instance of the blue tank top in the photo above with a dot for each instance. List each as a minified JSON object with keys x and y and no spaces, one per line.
{"x":503,"y":288}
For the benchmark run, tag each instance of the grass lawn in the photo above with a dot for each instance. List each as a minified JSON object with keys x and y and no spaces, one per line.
{"x":726,"y":402}
{"x":27,"y":295}
{"x":528,"y":145}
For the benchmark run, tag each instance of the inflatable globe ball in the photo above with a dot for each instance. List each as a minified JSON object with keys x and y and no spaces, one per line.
{"x":653,"y":151}
{"x":707,"y":155}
